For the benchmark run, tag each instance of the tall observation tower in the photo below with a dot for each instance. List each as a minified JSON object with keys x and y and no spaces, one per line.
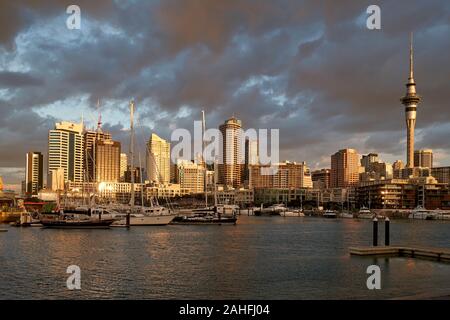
{"x":410,"y":101}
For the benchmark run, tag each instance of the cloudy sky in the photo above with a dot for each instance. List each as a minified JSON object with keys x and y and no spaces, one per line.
{"x":310,"y":68}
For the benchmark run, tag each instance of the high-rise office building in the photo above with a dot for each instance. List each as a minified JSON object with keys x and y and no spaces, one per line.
{"x":423,"y":158}
{"x":321,"y":178}
{"x":251,"y":156}
{"x":158,"y":160}
{"x":191,"y":176}
{"x":34,"y":172}
{"x":231,"y":166}
{"x":367,"y":159}
{"x":410,"y":101}
{"x":345,"y":168}
{"x":65,"y":150}
{"x":398,"y":165}
{"x":377,"y":171}
{"x":90,"y":139}
{"x":123,"y":166}
{"x":107,"y":161}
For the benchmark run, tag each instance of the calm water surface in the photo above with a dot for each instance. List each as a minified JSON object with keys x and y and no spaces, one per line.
{"x":260,"y":258}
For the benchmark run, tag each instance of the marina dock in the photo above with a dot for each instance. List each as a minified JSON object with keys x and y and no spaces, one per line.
{"x":438,"y":254}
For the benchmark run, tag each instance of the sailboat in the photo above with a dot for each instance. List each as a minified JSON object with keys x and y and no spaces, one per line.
{"x":131,"y":215}
{"x":210,"y":215}
{"x":346,"y":214}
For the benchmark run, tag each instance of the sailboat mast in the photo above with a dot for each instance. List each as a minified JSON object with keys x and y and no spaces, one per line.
{"x":142,"y":186}
{"x":131,"y":159}
{"x":203,"y":158}
{"x":215,"y":183}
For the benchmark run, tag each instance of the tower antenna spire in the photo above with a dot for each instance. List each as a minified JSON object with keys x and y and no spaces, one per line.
{"x":99,"y":122}
{"x":411,"y":57}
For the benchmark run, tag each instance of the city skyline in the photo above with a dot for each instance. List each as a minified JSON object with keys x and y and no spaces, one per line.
{"x":321,"y":95}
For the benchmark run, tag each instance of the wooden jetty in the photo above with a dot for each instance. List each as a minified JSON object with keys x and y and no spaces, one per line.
{"x":439,"y":254}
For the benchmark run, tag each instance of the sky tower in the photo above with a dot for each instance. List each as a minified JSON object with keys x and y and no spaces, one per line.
{"x":410,"y":101}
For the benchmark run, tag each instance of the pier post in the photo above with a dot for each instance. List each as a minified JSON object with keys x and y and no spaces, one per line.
{"x":375,"y":232}
{"x":386,"y":232}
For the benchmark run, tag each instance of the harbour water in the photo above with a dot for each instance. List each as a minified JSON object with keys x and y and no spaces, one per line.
{"x":260,"y":258}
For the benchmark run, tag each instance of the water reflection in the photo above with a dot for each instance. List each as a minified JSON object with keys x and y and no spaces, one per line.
{"x":261,"y":257}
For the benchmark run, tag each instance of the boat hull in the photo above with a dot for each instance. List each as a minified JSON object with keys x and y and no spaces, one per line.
{"x":8,"y":217}
{"x":55,"y":224}
{"x":204,"y":221}
{"x":292,"y":214}
{"x":146,"y":221}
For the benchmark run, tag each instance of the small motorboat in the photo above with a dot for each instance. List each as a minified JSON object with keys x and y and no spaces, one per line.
{"x":292,"y":213}
{"x":421,"y":213}
{"x":27,"y":220}
{"x":346,"y":215}
{"x":365,"y":213}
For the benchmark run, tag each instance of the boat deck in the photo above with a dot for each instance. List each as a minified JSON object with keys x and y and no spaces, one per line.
{"x":439,"y":254}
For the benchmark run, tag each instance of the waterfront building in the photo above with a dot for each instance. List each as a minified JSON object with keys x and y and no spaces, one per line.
{"x":107,"y":161}
{"x":241,"y":197}
{"x":410,"y":101}
{"x":119,"y":192}
{"x":345,"y":168}
{"x":123,"y":166}
{"x":268,"y":196}
{"x":65,"y":150}
{"x":171,"y":190}
{"x":231,"y":164}
{"x":442,"y":174}
{"x":287,"y":175}
{"x":34,"y":173}
{"x":321,"y":178}
{"x":158,"y":160}
{"x":191,"y":176}
{"x":423,"y":158}
{"x":404,"y":194}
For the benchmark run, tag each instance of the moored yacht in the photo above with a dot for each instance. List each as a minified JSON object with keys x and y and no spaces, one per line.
{"x":330,"y":214}
{"x":346,"y":215}
{"x":74,"y":219}
{"x":273,"y":210}
{"x":364,"y":213}
{"x":292,"y":213}
{"x":421,"y":213}
{"x":144,"y":216}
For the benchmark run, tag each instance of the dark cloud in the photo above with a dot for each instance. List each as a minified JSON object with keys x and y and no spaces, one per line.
{"x":18,"y":79}
{"x":309,"y":68}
